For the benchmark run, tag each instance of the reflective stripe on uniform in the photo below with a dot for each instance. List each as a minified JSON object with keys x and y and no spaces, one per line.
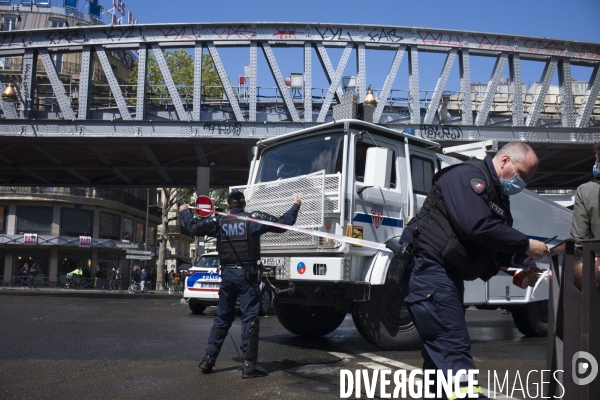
{"x":465,"y":390}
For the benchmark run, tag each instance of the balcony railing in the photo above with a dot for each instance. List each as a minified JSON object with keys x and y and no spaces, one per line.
{"x":89,"y":192}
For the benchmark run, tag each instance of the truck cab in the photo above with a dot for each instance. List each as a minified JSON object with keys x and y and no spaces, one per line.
{"x":366,"y":181}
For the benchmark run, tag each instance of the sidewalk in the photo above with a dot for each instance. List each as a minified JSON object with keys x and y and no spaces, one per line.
{"x":42,"y":291}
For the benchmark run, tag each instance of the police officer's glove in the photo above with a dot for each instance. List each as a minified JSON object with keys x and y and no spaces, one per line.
{"x":264,"y":216}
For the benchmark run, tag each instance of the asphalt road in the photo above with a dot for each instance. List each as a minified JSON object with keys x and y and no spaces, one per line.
{"x":60,"y":346}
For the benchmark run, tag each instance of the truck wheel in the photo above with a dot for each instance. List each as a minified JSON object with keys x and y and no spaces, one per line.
{"x":265,"y":302}
{"x":531,"y":319}
{"x":384,"y":320}
{"x":197,"y":308}
{"x":308,"y":321}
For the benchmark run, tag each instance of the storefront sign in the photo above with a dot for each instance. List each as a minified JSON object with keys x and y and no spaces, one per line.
{"x":85,"y":241}
{"x":30,"y":238}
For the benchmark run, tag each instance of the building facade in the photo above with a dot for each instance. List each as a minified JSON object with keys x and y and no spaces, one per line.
{"x":60,"y":229}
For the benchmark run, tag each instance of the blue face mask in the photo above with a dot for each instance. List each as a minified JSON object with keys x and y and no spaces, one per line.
{"x":596,"y":170}
{"x":514,"y":185}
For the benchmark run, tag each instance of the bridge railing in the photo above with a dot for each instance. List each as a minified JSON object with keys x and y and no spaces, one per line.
{"x":37,"y":50}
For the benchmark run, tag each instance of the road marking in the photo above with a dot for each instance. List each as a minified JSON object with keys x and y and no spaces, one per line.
{"x":388,"y":361}
{"x":402,"y":365}
{"x":374,"y":366}
{"x":341,"y":355}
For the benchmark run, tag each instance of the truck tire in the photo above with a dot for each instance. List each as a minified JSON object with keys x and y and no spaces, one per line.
{"x":308,"y":321}
{"x":266,"y":298}
{"x":196,"y":307}
{"x":531,"y":319}
{"x":384,"y":321}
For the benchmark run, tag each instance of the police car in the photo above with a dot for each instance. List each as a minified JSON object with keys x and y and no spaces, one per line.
{"x":202,"y":282}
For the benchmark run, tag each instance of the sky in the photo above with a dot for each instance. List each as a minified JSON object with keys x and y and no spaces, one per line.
{"x":557,"y":19}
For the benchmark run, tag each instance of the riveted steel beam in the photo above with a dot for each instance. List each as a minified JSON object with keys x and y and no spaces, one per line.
{"x":540,"y":96}
{"x":565,"y":83}
{"x":389,"y":81}
{"x":102,"y":157}
{"x":166,"y":74}
{"x":307,"y":82}
{"x":59,"y":162}
{"x":197,"y":100}
{"x":516,"y":84}
{"x":113,"y":83}
{"x":202,"y":159}
{"x":335,"y":79}
{"x":465,"y":87}
{"x":253,"y":71}
{"x":7,"y":107}
{"x":235,"y":105}
{"x":283,"y":89}
{"x":140,"y":105}
{"x":361,"y":74}
{"x":413,"y":85}
{"x":439,"y":87}
{"x":492,"y":87}
{"x":85,"y":76}
{"x":156,"y":162}
{"x":328,"y":68}
{"x":57,"y":86}
{"x":28,"y":82}
{"x":589,"y":100}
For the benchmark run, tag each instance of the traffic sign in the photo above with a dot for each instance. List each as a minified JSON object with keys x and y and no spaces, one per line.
{"x":127,"y":246}
{"x":204,"y":206}
{"x":141,"y":252}
{"x":137,"y":257}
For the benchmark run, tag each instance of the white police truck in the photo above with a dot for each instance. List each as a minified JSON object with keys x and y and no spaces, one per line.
{"x":366,"y":181}
{"x":202,"y":283}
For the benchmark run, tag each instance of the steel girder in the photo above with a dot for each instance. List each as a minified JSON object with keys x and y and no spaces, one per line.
{"x":357,"y":38}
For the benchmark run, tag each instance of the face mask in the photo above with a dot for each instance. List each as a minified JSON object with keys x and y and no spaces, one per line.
{"x":514,"y":185}
{"x":596,"y":170}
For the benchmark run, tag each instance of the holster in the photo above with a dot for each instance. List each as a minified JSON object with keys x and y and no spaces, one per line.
{"x":403,"y":257}
{"x":250,"y":270}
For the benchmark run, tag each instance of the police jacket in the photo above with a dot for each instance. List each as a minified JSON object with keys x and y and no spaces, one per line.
{"x":465,"y":222}
{"x":238,"y":241}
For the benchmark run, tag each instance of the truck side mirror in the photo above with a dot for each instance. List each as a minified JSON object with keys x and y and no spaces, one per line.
{"x":378,"y":167}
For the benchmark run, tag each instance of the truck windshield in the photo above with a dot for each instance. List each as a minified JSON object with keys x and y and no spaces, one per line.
{"x":303,"y":156}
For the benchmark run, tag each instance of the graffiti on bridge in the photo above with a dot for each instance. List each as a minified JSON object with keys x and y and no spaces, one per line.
{"x":234,"y":129}
{"x":434,"y":132}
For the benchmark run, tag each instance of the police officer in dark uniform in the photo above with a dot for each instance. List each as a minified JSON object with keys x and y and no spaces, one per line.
{"x":463,"y":232}
{"x":238,"y":243}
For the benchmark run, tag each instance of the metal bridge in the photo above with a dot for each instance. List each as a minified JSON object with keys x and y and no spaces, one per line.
{"x":128,"y":139}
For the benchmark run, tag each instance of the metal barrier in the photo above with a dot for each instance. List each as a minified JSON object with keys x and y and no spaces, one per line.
{"x":27,"y":280}
{"x":574,"y":326}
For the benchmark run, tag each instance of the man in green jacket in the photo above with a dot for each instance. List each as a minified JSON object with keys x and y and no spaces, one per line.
{"x":586,"y":210}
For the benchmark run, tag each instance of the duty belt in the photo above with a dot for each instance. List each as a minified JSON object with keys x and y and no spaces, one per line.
{"x":238,"y":265}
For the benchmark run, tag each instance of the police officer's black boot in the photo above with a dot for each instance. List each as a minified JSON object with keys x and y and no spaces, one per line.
{"x":207,"y":364}
{"x":250,"y":369}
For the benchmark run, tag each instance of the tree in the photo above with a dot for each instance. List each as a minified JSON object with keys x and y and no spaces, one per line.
{"x":181,"y":66}
{"x":171,"y":196}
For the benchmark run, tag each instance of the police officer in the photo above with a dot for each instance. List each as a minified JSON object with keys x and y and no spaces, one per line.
{"x":238,"y":243}
{"x":463,"y":232}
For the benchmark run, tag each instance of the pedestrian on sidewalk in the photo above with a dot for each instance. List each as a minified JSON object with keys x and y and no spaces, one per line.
{"x":32,"y":274}
{"x":24,"y":273}
{"x":113,"y":279}
{"x":97,"y":277}
{"x":144,"y":278}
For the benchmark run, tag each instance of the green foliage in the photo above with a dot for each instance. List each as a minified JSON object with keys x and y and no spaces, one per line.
{"x":181,"y":66}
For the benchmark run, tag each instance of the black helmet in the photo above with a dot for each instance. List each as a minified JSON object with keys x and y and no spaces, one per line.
{"x":235,"y":195}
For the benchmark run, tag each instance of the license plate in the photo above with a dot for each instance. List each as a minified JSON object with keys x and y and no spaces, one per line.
{"x":209,"y":285}
{"x":273,"y":261}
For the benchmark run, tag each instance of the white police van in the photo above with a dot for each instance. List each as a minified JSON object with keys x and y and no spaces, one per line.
{"x":202,"y":282}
